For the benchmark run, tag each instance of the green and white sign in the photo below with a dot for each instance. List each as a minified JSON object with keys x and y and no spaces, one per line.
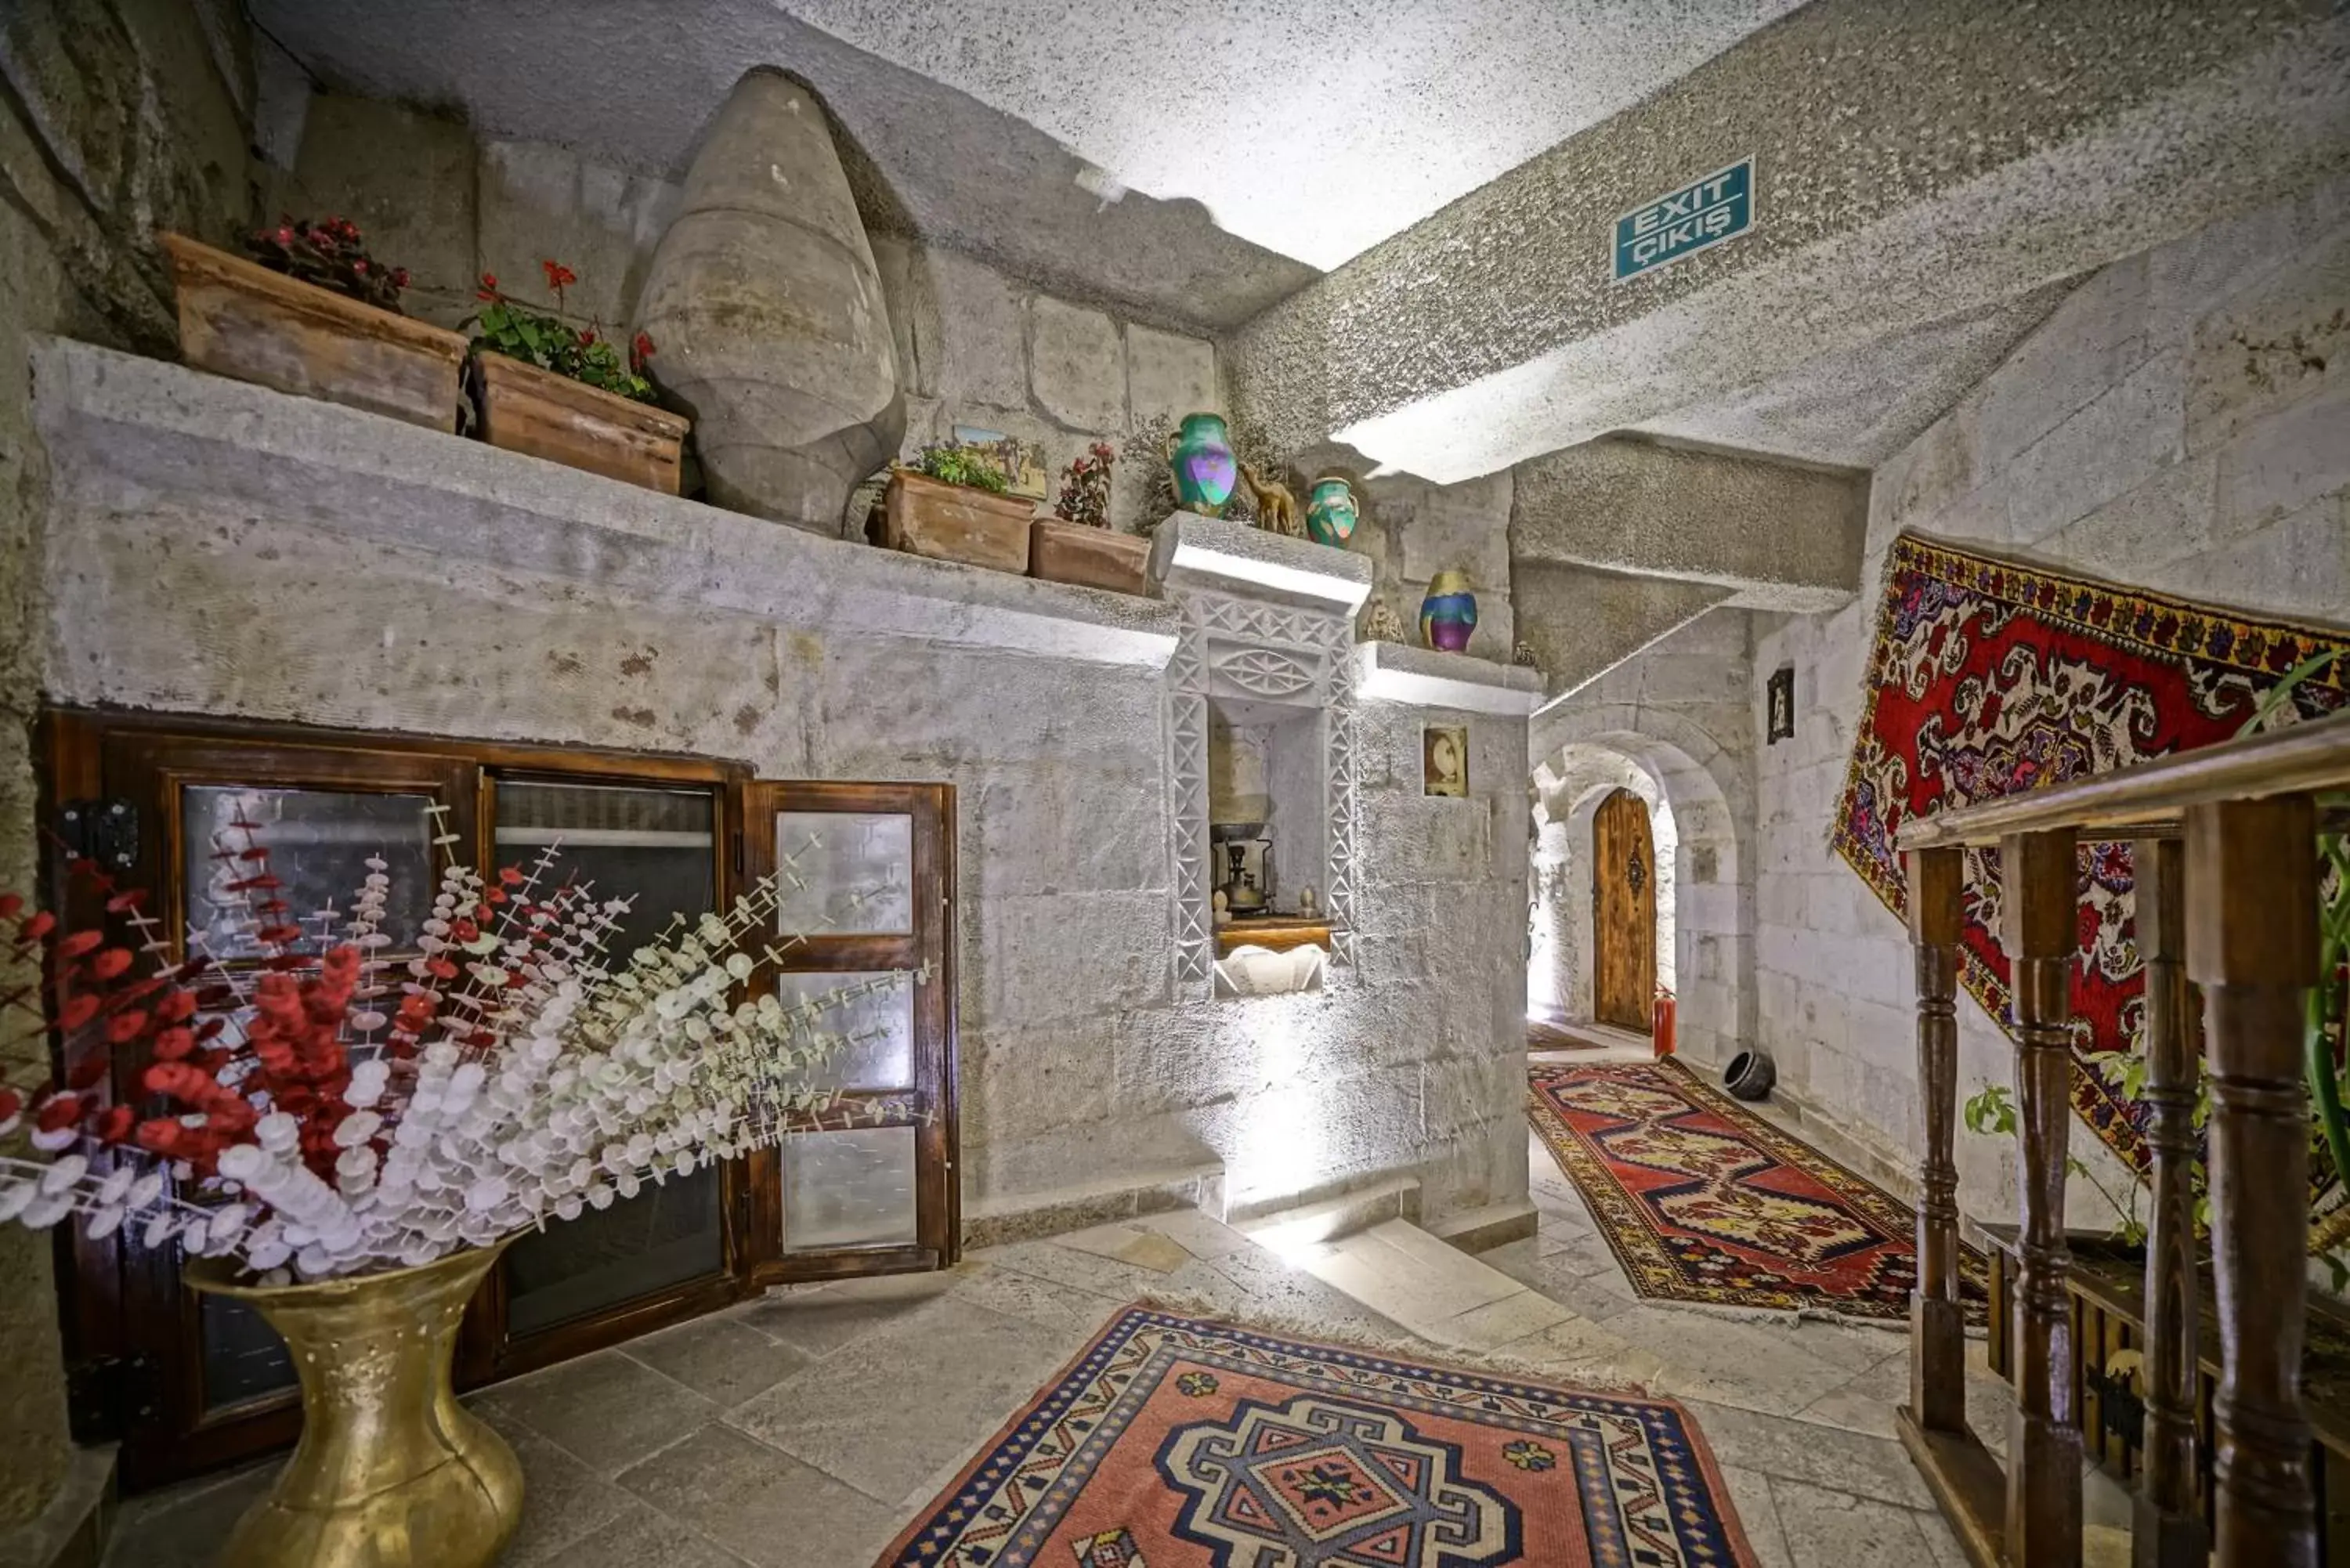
{"x":1704,"y":213}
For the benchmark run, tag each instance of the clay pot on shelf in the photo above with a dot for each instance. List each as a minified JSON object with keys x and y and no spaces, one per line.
{"x":925,"y":517}
{"x":768,"y":309}
{"x":1201,"y":454}
{"x":242,"y":320}
{"x":1448,"y":616}
{"x":542,"y":414}
{"x":1330,"y":510}
{"x":1092,"y":557}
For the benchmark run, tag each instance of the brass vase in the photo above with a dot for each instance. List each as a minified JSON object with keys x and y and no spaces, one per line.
{"x":391,"y":1471}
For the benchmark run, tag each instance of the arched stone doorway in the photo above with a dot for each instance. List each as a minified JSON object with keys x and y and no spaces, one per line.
{"x":1704,"y":898}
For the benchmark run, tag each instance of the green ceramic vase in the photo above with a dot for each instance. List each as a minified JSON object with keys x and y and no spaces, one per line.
{"x":1330,"y":510}
{"x":1201,"y":454}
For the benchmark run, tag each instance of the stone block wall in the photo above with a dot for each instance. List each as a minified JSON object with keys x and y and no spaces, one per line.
{"x":444,"y":587}
{"x":2180,"y":422}
{"x":120,"y":116}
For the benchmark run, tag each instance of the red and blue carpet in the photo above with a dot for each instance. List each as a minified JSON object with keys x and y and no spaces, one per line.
{"x":1701,"y":1201}
{"x":1174,"y":1441}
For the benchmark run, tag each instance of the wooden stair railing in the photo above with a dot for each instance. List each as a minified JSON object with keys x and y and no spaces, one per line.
{"x":2222,"y":845}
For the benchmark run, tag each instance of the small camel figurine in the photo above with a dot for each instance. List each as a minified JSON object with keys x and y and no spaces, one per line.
{"x":1276,"y":508}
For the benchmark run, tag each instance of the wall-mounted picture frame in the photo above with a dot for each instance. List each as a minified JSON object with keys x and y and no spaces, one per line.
{"x":1779,"y":719}
{"x":1444,"y":760}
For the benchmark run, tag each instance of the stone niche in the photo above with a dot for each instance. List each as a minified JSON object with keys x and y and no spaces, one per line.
{"x":1260,"y":730}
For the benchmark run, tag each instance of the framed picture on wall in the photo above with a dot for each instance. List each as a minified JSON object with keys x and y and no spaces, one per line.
{"x":1781,"y":719}
{"x":1444,"y":760}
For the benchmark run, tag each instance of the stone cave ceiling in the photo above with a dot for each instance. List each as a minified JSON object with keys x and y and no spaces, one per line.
{"x":1310,"y":128}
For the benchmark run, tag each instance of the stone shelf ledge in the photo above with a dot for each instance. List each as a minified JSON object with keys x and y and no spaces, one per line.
{"x":1431,"y":678}
{"x":1238,"y":558}
{"x":123,"y":431}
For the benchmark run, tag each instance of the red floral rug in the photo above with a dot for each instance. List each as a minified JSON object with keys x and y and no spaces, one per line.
{"x":1173,"y":1441}
{"x":1701,"y":1201}
{"x":1989,"y":678}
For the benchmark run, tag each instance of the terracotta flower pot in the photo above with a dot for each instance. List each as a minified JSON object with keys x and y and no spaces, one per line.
{"x":1062,"y":552}
{"x":924,"y":516}
{"x":240,"y":319}
{"x":391,"y":1470}
{"x":527,"y":410}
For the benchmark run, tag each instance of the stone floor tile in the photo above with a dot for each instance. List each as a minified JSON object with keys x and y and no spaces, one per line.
{"x":1144,"y":1249}
{"x":1088,"y":1271}
{"x":1408,"y":1284}
{"x":1785,"y":1449}
{"x":720,"y":1358}
{"x":767,"y":1508}
{"x":1585,"y":1279}
{"x":1039,"y":1301}
{"x":1498,"y":1325}
{"x":183,"y":1527}
{"x":1201,"y":1236}
{"x":883,"y":1414}
{"x":1583,"y":1354}
{"x":1758,"y":1516}
{"x":1291,"y":1297}
{"x":1830,"y":1529}
{"x":820,"y":1321}
{"x":563,"y":1502}
{"x":1730,"y":1361}
{"x":605,"y":1409}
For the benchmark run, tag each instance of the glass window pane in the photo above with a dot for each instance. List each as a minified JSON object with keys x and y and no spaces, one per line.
{"x":663,"y":1236}
{"x":244,"y":1357}
{"x":879,"y":1029}
{"x":318,"y":842}
{"x":856,"y":870}
{"x":654,"y":845}
{"x":853,"y":1188}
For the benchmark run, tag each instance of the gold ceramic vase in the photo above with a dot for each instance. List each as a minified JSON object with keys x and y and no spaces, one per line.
{"x":391,"y":1471}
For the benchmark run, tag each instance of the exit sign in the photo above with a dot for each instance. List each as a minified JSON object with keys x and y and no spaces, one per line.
{"x":1705,"y":212}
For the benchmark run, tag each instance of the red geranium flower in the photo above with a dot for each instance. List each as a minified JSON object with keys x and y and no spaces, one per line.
{"x":558,"y":276}
{"x":489,"y":289}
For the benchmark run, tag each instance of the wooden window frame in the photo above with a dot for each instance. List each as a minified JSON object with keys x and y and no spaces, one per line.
{"x":113,"y":1294}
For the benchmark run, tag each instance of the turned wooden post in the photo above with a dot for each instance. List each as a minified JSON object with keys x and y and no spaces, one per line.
{"x":2168,"y":1530}
{"x":2039,"y":930}
{"x":1938,"y":1344}
{"x":2252,"y":945}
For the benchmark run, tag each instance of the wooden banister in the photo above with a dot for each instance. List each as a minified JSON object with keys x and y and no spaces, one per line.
{"x":2226,"y":881}
{"x":2148,"y":800}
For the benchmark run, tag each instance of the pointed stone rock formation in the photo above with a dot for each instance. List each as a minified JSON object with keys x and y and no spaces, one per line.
{"x":766,"y":313}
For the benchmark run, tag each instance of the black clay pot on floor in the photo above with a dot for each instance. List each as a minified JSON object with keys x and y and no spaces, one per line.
{"x":1750,"y":1075}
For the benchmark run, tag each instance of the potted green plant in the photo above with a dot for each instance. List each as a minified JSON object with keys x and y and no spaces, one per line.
{"x":952,"y":504}
{"x":567,"y":393}
{"x":315,"y":314}
{"x":1076,"y":544}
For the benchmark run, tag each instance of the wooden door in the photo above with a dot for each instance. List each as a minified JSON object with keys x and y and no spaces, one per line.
{"x":869,"y":1185}
{"x":1623,"y":913}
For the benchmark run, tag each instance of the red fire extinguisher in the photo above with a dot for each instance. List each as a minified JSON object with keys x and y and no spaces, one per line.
{"x":1660,"y":1028}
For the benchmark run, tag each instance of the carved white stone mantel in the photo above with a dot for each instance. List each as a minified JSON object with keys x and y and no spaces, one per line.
{"x":1267,"y":620}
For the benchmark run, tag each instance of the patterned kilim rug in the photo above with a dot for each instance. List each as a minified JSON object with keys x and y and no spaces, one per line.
{"x":1701,"y":1201}
{"x":1989,"y":677}
{"x":1176,"y":1442}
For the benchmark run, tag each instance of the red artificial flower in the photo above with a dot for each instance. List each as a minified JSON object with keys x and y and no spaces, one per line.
{"x":11,"y":1102}
{"x":399,"y":278}
{"x":489,"y":289}
{"x":587,"y":338}
{"x":81,"y":942}
{"x":114,"y":1125}
{"x":58,"y":1113}
{"x":285,"y":236}
{"x":558,"y":276}
{"x":359,"y":268}
{"x":642,"y":348}
{"x":111,"y":963}
{"x":11,"y":905}
{"x":38,"y":924}
{"x":79,"y":1010}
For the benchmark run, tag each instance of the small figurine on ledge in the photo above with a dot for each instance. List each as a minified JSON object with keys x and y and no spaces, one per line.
{"x":1306,"y":905}
{"x":1223,"y":907}
{"x":1276,"y":508}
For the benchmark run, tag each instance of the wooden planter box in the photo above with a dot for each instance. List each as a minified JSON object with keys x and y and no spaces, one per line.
{"x":238,"y":318}
{"x":527,"y":410}
{"x":2105,"y":1289}
{"x":953,"y":523}
{"x":1093,"y":557}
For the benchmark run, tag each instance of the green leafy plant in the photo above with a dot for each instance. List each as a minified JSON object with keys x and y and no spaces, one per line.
{"x":583,"y":354}
{"x":973,"y":467}
{"x":331,"y":254}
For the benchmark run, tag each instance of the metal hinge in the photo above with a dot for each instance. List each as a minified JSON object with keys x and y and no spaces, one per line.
{"x":107,"y":1396}
{"x":106,"y":831}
